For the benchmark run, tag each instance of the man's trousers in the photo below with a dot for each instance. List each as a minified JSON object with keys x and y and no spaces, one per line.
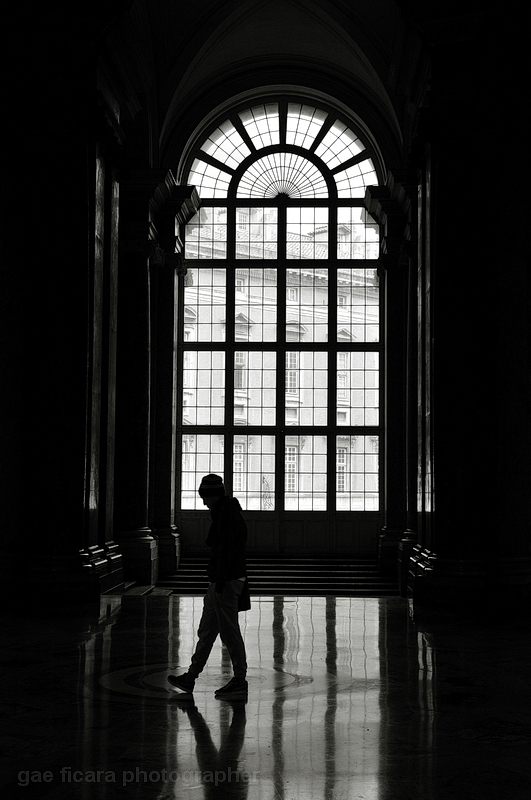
{"x":220,"y":616}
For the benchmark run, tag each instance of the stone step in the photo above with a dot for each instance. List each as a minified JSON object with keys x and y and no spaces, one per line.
{"x":307,"y":576}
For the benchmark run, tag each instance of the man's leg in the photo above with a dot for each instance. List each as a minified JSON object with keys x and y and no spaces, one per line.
{"x":207,"y":634}
{"x":226,"y":606}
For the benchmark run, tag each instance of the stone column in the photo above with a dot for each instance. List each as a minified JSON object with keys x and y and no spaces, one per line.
{"x":474,"y":547}
{"x":172,"y":206}
{"x":133,"y":392}
{"x":56,"y":453}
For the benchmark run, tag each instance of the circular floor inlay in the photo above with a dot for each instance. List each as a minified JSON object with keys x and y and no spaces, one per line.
{"x":150,"y":681}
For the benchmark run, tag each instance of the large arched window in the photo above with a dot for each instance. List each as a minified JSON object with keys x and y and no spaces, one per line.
{"x":281,"y":324}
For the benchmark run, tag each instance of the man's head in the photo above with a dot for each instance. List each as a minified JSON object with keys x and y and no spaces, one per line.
{"x":211,"y":489}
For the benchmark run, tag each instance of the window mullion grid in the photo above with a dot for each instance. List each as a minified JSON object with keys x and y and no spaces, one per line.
{"x":280,"y":457}
{"x":381,"y":381}
{"x":230,"y":349}
{"x":332,"y":367}
{"x":231,"y":234}
{"x":333,"y":346}
{"x":242,"y":130}
{"x":332,"y":375}
{"x":181,"y":344}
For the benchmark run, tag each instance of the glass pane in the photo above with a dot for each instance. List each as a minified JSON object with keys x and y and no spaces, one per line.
{"x":256,"y":233}
{"x":357,"y":473}
{"x":357,"y":388}
{"x":358,"y":234}
{"x":254,"y":472}
{"x":305,"y":473}
{"x":203,"y":385}
{"x":339,"y":145}
{"x":206,"y":234}
{"x":358,"y":312}
{"x":306,"y":388}
{"x":208,"y":180}
{"x":204,"y":305}
{"x":262,"y":124}
{"x":303,"y":124}
{"x":256,"y":305}
{"x":285,"y":174}
{"x":351,"y":182}
{"x":254,"y":388}
{"x":202,"y":454}
{"x":226,"y":144}
{"x":307,"y":305}
{"x":307,"y":233}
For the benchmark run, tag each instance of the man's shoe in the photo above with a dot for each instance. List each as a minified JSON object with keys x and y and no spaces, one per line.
{"x":236,"y":687}
{"x":183,"y":682}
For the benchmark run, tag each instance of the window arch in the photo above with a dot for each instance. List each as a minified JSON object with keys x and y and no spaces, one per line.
{"x":297,"y":137}
{"x":281,"y":342}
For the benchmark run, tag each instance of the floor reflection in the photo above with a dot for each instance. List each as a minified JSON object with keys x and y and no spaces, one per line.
{"x":312,"y":725}
{"x":216,"y":769}
{"x":348,"y":698}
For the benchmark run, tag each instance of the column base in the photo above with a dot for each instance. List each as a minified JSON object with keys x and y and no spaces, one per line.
{"x":169,"y":547}
{"x":388,"y":550}
{"x":484,"y":586}
{"x":405,"y":551}
{"x":140,"y":555}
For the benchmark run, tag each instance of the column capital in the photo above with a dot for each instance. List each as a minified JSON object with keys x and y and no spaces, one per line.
{"x":159,"y":259}
{"x":171,"y":199}
{"x":391,"y":200}
{"x":390,"y":206}
{"x":152,"y":206}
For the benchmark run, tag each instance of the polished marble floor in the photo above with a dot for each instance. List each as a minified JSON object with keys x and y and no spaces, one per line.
{"x":349,"y":698}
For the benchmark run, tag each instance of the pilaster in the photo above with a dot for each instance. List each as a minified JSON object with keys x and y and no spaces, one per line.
{"x":150,"y":263}
{"x":390,"y":206}
{"x":474,"y":545}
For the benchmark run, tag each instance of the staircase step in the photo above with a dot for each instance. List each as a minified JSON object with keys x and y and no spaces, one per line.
{"x":278,"y":574}
{"x":139,"y":591}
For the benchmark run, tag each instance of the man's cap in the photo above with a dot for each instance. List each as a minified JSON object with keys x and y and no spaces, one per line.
{"x":211,"y":485}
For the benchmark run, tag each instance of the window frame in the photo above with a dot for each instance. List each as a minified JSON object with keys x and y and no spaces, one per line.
{"x":334,"y":262}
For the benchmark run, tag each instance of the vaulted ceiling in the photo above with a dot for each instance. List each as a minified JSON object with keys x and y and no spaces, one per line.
{"x":178,"y":64}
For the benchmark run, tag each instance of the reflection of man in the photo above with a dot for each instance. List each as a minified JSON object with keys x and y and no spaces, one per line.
{"x":228,"y":591}
{"x":219,"y":770}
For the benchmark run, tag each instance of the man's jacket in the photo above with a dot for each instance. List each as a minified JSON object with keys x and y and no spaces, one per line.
{"x":228,"y":539}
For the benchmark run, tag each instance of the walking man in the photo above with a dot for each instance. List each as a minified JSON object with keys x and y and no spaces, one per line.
{"x":227,"y":593}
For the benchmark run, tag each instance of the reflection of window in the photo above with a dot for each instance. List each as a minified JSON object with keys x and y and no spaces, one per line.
{"x":240,"y":362}
{"x":342,"y":377}
{"x":341,"y":469}
{"x":292,"y":294}
{"x":292,"y":373}
{"x":342,"y":386}
{"x":292,"y":416}
{"x":291,"y":468}
{"x":239,"y":468}
{"x":241,"y":285}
